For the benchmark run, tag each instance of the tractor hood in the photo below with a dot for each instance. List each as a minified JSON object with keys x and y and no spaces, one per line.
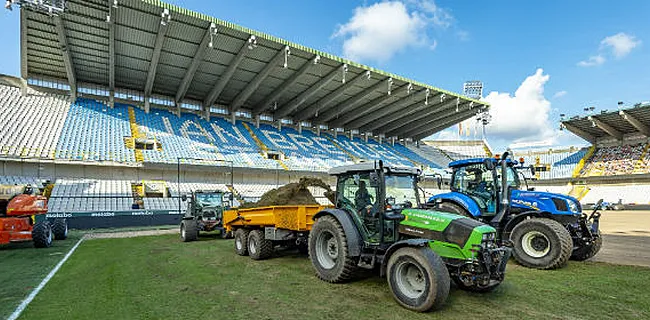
{"x":545,"y":201}
{"x":442,"y":226}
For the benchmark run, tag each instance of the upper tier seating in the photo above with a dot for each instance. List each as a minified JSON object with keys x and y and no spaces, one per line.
{"x":618,"y":160}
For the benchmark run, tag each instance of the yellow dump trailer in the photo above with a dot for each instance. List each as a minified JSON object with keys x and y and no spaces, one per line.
{"x":259,"y":230}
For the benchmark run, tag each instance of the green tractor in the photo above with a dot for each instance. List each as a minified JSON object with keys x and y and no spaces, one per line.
{"x":204,"y":213}
{"x":379,"y":223}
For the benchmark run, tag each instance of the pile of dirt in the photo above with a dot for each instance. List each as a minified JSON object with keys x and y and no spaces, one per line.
{"x":293,"y":194}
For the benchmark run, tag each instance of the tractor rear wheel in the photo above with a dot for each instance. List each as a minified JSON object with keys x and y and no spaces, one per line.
{"x":418,"y":278}
{"x":42,"y":235}
{"x":189,"y":230}
{"x":60,"y":229}
{"x":453,"y":208}
{"x":541,"y":243}
{"x":259,"y":248}
{"x":588,"y":251}
{"x":241,"y":242}
{"x":328,"y":251}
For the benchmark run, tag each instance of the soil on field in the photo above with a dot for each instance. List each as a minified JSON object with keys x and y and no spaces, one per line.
{"x":293,"y":194}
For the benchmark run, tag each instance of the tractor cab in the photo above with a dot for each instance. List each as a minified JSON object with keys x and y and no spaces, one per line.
{"x":480,"y":179}
{"x":374,"y":195}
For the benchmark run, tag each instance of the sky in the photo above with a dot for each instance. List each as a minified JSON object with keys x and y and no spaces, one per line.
{"x":536,"y":59}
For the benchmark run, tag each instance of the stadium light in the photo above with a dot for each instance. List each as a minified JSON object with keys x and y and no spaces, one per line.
{"x":252,"y":42}
{"x":213,"y":34}
{"x":165,"y":17}
{"x":8,"y":5}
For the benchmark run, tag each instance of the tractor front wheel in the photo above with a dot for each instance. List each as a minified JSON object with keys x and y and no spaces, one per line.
{"x":585,"y":252}
{"x":189,"y":230}
{"x":259,"y":248}
{"x":241,"y":242}
{"x":418,"y":279}
{"x":60,"y":229}
{"x":541,"y":243}
{"x":328,"y":251}
{"x":42,"y":235}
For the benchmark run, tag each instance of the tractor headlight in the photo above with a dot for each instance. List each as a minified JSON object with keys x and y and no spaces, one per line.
{"x":573,"y":206}
{"x":490,"y":236}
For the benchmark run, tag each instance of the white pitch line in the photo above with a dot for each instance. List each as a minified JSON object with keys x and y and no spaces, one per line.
{"x":49,"y":276}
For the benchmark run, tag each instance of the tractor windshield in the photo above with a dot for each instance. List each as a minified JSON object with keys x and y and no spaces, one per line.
{"x":513,"y":177}
{"x":209,"y":199}
{"x":402,"y":189}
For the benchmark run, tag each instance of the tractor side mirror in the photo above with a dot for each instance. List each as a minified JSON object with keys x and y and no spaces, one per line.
{"x":184,"y":197}
{"x":489,"y":164}
{"x":374,"y":179}
{"x":439,"y":181}
{"x":532,"y":169}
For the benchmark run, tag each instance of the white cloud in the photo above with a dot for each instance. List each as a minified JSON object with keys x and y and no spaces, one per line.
{"x":377,"y":31}
{"x":592,"y":61}
{"x":560,"y":94}
{"x":621,"y":44}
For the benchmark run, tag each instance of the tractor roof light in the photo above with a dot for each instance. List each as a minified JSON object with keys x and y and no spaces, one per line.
{"x":521,"y":160}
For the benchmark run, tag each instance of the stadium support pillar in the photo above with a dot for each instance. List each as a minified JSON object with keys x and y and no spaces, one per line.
{"x":392,"y":141}
{"x":607,"y":128}
{"x":296,"y":102}
{"x":279,"y":124}
{"x":257,"y":121}
{"x":147,"y":105}
{"x":366,"y":137}
{"x":336,"y":132}
{"x":111,"y":99}
{"x":23,"y":87}
{"x":206,"y":113}
{"x":351,"y":135}
{"x":643,"y":129}
{"x":299,"y":127}
{"x":381,"y":139}
{"x":318,"y":130}
{"x":279,"y":91}
{"x":233,"y":118}
{"x":178,"y":109}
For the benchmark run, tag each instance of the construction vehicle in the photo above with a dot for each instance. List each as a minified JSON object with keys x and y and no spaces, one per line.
{"x":377,"y":223}
{"x":546,"y":229}
{"x":22,"y":213}
{"x":204,"y":213}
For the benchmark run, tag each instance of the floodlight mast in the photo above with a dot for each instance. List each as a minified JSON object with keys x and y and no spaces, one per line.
{"x":51,"y":7}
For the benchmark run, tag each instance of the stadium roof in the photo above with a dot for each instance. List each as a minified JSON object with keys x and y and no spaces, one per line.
{"x":608,"y":125}
{"x":158,"y":49}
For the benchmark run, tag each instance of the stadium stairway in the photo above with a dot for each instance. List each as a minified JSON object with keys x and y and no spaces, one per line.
{"x":135,"y":134}
{"x":578,"y":169}
{"x":579,"y":191}
{"x":264,"y":148}
{"x":639,"y":167}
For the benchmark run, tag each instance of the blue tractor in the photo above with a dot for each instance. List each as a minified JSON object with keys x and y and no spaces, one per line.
{"x":545,"y":229}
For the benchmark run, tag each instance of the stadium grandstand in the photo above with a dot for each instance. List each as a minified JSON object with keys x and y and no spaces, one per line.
{"x":127,"y":105}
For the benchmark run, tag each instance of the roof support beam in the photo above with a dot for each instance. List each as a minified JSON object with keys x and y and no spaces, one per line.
{"x":232,"y":67}
{"x":255,"y":83}
{"x":430,"y":121}
{"x":387,"y":113}
{"x":605,"y":127}
{"x":111,"y":48}
{"x":160,"y":40}
{"x":67,"y":58}
{"x":326,"y":100}
{"x":644,"y":129}
{"x":348,"y":104}
{"x":277,"y":93}
{"x":580,"y":133}
{"x":366,"y":113}
{"x":196,"y":60}
{"x":443,"y":124}
{"x":412,"y":114}
{"x":294,"y":104}
{"x":23,"y":43}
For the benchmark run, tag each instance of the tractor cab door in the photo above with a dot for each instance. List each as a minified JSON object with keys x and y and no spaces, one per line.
{"x":359,"y":197}
{"x":478,"y":183}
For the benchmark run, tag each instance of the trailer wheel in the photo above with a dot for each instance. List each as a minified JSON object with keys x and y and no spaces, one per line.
{"x":585,"y":252}
{"x":328,"y":251}
{"x":189,"y":230}
{"x":60,"y":229}
{"x":241,"y":242}
{"x":42,"y":235}
{"x":541,"y":243}
{"x":418,"y":278}
{"x":259,"y":248}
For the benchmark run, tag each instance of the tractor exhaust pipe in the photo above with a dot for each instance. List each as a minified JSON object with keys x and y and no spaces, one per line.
{"x":505,"y":199}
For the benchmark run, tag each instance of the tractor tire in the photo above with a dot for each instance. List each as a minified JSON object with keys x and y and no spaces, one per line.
{"x":541,"y":243}
{"x":42,"y":235}
{"x":189,"y":230}
{"x":328,"y":251}
{"x":60,"y":229}
{"x":586,"y":252}
{"x":241,"y":242}
{"x":453,"y":208}
{"x":259,"y":248}
{"x":418,"y":279}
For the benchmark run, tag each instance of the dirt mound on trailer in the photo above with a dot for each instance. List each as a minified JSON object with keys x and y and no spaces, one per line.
{"x":293,"y":194}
